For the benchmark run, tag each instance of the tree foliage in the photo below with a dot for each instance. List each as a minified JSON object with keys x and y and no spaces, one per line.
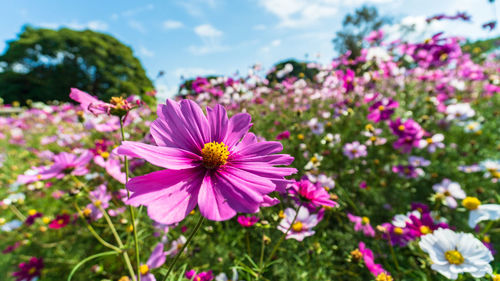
{"x":300,"y":70}
{"x":357,"y":26}
{"x":43,"y":64}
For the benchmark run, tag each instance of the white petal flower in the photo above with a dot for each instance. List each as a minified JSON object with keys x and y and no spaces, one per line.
{"x":486,"y":212}
{"x":454,"y":253}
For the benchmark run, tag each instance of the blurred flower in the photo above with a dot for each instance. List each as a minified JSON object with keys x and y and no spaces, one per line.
{"x":247,"y":221}
{"x":202,"y":276}
{"x":316,"y":127}
{"x":453,"y":253}
{"x":479,"y":212}
{"x":310,"y":195}
{"x":410,"y":133}
{"x":100,"y":199}
{"x":302,"y":227}
{"x":354,"y":150}
{"x":283,"y":135}
{"x":60,"y":221}
{"x":29,"y":270}
{"x":177,"y":246}
{"x":417,"y":161}
{"x":211,"y":161}
{"x":432,"y":143}
{"x":374,"y":268}
{"x":460,"y":111}
{"x":156,"y":259}
{"x":448,"y":191}
{"x":362,"y":224}
{"x":382,"y":110}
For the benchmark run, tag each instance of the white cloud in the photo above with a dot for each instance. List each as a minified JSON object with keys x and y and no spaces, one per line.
{"x":136,"y":25}
{"x":208,"y":31}
{"x":143,"y":51}
{"x":164,"y":92}
{"x":138,"y":10}
{"x":197,"y":8}
{"x":172,"y":24}
{"x":94,"y":25}
{"x":297,"y":13}
{"x":206,"y":49}
{"x":267,"y":48}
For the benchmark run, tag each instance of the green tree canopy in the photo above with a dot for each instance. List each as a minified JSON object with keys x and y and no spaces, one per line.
{"x":299,"y":70}
{"x":356,"y":27}
{"x":43,"y":64}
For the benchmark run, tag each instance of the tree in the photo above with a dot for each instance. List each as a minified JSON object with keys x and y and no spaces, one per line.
{"x":298,"y":69}
{"x":356,"y":27}
{"x":43,"y":64}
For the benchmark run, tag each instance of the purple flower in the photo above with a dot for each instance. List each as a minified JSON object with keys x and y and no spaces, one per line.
{"x":157,"y":259}
{"x":408,"y":171}
{"x":354,"y":150}
{"x":448,"y":191}
{"x":302,"y":227}
{"x":432,"y":143}
{"x":283,"y":135}
{"x":410,"y":133}
{"x":417,"y":161}
{"x":202,"y":276}
{"x":211,"y":161}
{"x":362,"y":224}
{"x":375,"y":268}
{"x":176,"y":246}
{"x":100,"y":198}
{"x":382,"y":110}
{"x":64,"y":163}
{"x":29,"y":270}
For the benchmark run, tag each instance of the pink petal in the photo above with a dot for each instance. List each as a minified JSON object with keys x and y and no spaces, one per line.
{"x":238,"y":126}
{"x":217,"y":118}
{"x":212,"y":204}
{"x":166,"y":157}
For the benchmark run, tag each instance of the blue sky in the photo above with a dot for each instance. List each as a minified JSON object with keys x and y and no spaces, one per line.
{"x":195,"y":37}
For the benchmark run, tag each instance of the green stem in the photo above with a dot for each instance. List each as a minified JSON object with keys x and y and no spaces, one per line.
{"x":88,"y":259}
{"x":347,"y":197}
{"x":393,"y":254}
{"x":262,"y":247}
{"x":487,"y":228}
{"x":16,"y":212}
{"x":130,"y":209}
{"x":247,"y":242}
{"x":120,"y":243}
{"x":94,"y":233}
{"x":195,"y":230}
{"x":282,"y":237}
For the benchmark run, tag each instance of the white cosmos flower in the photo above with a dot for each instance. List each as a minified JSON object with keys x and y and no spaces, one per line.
{"x":450,"y":191}
{"x":454,"y":253}
{"x":486,"y":212}
{"x":460,"y":111}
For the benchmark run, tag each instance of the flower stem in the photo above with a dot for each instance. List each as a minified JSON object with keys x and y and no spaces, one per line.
{"x":195,"y":230}
{"x":273,"y":252}
{"x":16,"y":212}
{"x":130,"y":209}
{"x":94,"y":233}
{"x":487,"y":228}
{"x":120,"y":243}
{"x":393,"y":254}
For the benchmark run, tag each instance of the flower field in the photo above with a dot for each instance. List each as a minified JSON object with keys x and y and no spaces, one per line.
{"x":383,"y":167}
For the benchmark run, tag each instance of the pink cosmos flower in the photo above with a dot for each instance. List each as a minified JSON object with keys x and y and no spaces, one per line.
{"x":60,"y":221}
{"x":311,"y":195}
{"x":176,"y":246}
{"x":156,"y":260}
{"x":302,"y":227}
{"x":410,"y":133}
{"x":354,"y":150}
{"x":283,"y":135}
{"x":29,"y":270}
{"x":100,"y":198}
{"x":362,"y":224}
{"x":375,"y":268}
{"x":382,"y":110}
{"x":202,"y":276}
{"x":211,"y":161}
{"x":64,"y":163}
{"x":247,"y":221}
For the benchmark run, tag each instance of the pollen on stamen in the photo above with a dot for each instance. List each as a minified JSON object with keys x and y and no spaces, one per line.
{"x":214,"y":154}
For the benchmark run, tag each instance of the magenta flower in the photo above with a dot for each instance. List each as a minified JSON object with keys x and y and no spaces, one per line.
{"x":247,"y":221}
{"x":60,"y":221}
{"x":211,"y":161}
{"x":362,"y":224}
{"x":354,"y":150}
{"x":89,"y":103}
{"x":64,"y":164}
{"x":311,"y":195}
{"x":202,"y":276}
{"x":29,"y":270}
{"x":100,"y":198}
{"x":382,"y":110}
{"x":283,"y":135}
{"x":375,"y":268}
{"x":410,"y":133}
{"x":408,"y":171}
{"x":31,"y":218}
{"x":157,"y":259}
{"x":302,"y":227}
{"x":423,"y":225}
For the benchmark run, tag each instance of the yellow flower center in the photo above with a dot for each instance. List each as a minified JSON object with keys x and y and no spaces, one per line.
{"x":381,"y":107}
{"x":124,"y":278}
{"x":487,"y":239}
{"x":356,"y":255}
{"x":118,"y":101}
{"x":144,"y":269}
{"x":281,"y":214}
{"x":97,"y":203}
{"x":471,"y":203}
{"x":398,"y":231}
{"x":32,"y":271}
{"x":365,"y":220}
{"x":46,"y":220}
{"x":314,"y":159}
{"x":214,"y":154}
{"x":383,"y":277}
{"x":454,"y":257}
{"x":373,"y":138}
{"x":424,"y":229}
{"x":60,"y":221}
{"x":496,"y":277}
{"x":369,"y":127}
{"x":429,"y":140}
{"x":105,"y":155}
{"x":179,"y":246}
{"x":87,"y":212}
{"x":32,"y":212}
{"x":297,"y":226}
{"x":401,"y":127}
{"x":300,"y":136}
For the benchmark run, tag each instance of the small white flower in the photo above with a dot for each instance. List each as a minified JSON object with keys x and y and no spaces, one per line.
{"x":460,"y":111}
{"x":450,"y":191}
{"x":486,"y":212}
{"x":454,"y":253}
{"x":432,"y":143}
{"x":316,"y":127}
